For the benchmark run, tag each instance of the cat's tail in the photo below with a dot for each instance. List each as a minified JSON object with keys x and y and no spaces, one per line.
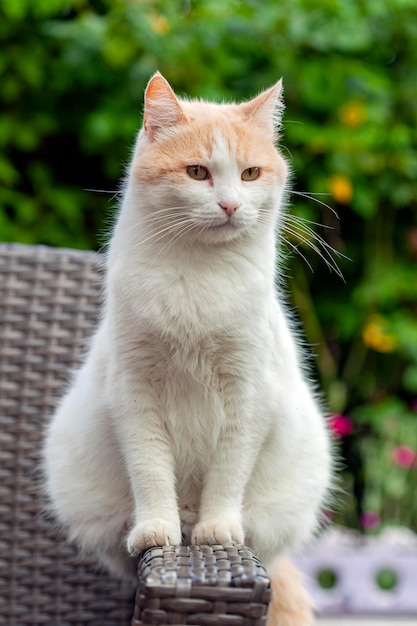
{"x":290,"y":604}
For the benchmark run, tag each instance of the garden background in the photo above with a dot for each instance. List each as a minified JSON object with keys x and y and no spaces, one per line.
{"x":72,"y":75}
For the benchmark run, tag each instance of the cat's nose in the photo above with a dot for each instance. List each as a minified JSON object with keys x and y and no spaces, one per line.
{"x":229,"y":207}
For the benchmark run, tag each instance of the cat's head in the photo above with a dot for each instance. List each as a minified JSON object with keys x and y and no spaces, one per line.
{"x":208,"y":172}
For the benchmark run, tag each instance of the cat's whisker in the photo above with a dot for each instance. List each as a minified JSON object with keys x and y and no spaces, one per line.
{"x":331,"y":265}
{"x":174,"y":231}
{"x":312,"y":233}
{"x":299,"y":227}
{"x":304,"y":220}
{"x":162,"y":232}
{"x":185,"y":231}
{"x":297,"y":250}
{"x":168,"y":214}
{"x":324,"y":254}
{"x":118,"y":192}
{"x":286,"y":148}
{"x":179,"y":225}
{"x":114,"y":194}
{"x":162,"y":214}
{"x":167,"y":209}
{"x":311,"y":196}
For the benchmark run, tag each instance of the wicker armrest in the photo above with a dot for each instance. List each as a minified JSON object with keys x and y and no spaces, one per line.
{"x":201,"y":585}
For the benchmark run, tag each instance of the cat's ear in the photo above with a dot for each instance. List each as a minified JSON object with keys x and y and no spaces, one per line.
{"x":266,"y":109}
{"x":162,"y":108}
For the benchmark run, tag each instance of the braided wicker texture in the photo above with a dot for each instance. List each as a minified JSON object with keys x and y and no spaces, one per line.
{"x":48,"y":307}
{"x":202,"y":585}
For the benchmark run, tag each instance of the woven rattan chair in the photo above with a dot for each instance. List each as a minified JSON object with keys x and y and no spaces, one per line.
{"x":49,"y":301}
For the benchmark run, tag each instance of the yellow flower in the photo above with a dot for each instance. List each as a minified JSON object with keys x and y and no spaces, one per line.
{"x":376,"y":337}
{"x":352,"y":114}
{"x":341,"y":188}
{"x":160,"y":24}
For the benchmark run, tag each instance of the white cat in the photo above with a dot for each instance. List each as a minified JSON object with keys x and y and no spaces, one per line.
{"x":192,"y":415}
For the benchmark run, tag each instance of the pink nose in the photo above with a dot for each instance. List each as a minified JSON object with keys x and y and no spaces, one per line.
{"x":229,"y":207}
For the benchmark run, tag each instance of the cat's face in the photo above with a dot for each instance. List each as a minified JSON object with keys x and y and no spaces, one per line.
{"x":209,"y":172}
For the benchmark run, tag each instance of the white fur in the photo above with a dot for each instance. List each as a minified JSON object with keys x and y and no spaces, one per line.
{"x":191,"y":413}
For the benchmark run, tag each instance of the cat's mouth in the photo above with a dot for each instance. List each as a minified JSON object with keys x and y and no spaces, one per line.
{"x":220,"y":232}
{"x":222,"y":226}
{"x":229,"y":224}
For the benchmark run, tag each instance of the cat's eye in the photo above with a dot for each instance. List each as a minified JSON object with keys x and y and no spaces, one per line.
{"x":198,"y":172}
{"x":251,"y":173}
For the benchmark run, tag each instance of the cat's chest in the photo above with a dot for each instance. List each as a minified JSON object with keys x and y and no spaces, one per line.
{"x":190,"y":297}
{"x":198,"y":301}
{"x":187,"y":368}
{"x":191,"y":401}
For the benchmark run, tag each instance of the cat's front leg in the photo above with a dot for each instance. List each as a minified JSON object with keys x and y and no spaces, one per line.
{"x":220,"y":516}
{"x":150,"y":465}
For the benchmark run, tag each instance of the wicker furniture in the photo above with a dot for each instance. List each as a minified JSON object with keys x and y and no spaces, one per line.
{"x":49,"y":302}
{"x":203,"y":585}
{"x":48,"y":306}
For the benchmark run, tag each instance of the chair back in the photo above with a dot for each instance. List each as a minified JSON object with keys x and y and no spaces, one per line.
{"x":49,"y":303}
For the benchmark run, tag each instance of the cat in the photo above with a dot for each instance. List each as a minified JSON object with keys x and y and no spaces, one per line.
{"x":192,"y":418}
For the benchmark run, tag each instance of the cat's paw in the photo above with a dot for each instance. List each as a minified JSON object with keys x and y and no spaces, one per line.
{"x":153,"y":532}
{"x":217,"y":531}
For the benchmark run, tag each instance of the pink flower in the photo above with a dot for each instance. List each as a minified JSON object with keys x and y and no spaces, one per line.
{"x":341,"y":425}
{"x":369,"y":520}
{"x":326,"y":516}
{"x":404,"y":456}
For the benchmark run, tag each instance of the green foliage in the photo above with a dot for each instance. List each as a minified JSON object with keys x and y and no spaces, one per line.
{"x":72,"y":77}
